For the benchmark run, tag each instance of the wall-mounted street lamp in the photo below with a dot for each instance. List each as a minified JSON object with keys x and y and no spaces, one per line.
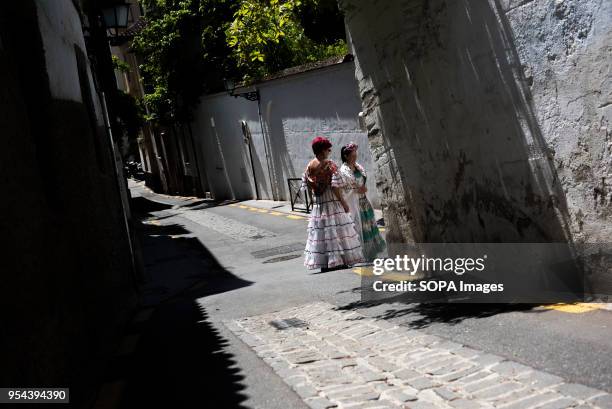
{"x":230,"y":87}
{"x":116,"y":17}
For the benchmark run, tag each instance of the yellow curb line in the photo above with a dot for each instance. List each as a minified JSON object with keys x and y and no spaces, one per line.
{"x":368,"y":272}
{"x":271,"y":212}
{"x":576,"y":308}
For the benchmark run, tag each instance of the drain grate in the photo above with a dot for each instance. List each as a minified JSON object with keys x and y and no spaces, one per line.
{"x":275,"y":251}
{"x":282,"y":258}
{"x":288,"y":323}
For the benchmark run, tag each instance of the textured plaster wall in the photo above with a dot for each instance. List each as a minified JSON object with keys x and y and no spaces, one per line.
{"x":293,"y":110}
{"x":566,"y":52}
{"x":488,"y":120}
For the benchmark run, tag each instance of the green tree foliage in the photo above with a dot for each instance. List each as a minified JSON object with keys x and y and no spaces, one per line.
{"x":269,"y":35}
{"x":323,"y":21}
{"x":184,"y":53}
{"x":119,"y":64}
{"x":189,"y":46}
{"x":130,"y":113}
{"x":129,"y":110}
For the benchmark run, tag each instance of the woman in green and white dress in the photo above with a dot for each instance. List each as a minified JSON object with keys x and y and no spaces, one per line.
{"x":354,"y":191}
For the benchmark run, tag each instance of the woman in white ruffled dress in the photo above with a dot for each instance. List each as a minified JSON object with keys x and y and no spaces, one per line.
{"x":332,"y":238}
{"x":354,"y":190}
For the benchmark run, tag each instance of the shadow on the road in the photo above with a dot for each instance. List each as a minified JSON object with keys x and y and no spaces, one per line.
{"x":177,"y":358}
{"x":141,"y":205}
{"x":354,"y":290}
{"x":199,"y":203}
{"x":422,"y":315}
{"x":164,"y":230}
{"x":180,"y":363}
{"x":208,"y":203}
{"x":329,"y":270}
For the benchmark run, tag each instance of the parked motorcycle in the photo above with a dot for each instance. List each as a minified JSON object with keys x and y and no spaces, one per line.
{"x":133,"y":169}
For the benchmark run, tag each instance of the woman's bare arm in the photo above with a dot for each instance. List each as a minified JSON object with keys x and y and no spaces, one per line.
{"x":309,"y":181}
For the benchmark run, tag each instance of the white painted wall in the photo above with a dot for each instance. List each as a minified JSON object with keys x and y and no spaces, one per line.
{"x":294,"y":110}
{"x":60,"y":30}
{"x":221,"y":150}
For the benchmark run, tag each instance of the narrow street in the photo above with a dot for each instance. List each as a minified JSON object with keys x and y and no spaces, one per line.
{"x":211,"y":265}
{"x":293,"y":204}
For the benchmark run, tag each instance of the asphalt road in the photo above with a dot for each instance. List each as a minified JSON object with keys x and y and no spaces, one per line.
{"x":233,"y":261}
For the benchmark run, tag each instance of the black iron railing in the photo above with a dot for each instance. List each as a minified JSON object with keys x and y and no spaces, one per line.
{"x":300,"y":195}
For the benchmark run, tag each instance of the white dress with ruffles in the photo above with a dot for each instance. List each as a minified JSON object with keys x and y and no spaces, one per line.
{"x":372,"y":243}
{"x":332,"y":238}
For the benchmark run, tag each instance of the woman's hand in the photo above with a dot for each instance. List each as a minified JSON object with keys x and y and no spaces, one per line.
{"x":310,"y":182}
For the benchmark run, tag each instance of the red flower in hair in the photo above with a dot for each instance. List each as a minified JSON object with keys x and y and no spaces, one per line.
{"x":319,"y":144}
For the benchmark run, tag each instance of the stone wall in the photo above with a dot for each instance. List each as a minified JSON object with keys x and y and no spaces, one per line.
{"x":488,"y":120}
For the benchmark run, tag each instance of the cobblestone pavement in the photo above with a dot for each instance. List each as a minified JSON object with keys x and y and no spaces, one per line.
{"x":342,"y":359}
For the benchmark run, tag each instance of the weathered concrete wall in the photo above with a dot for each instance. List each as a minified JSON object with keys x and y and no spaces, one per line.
{"x":489,"y":120}
{"x":297,"y":108}
{"x":221,"y":148}
{"x":294,"y":109}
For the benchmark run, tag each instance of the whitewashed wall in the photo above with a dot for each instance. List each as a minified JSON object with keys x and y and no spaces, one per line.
{"x":60,"y":29}
{"x":222,"y":152}
{"x":294,"y":110}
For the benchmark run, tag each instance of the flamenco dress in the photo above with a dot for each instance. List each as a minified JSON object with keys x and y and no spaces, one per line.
{"x":332,"y":238}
